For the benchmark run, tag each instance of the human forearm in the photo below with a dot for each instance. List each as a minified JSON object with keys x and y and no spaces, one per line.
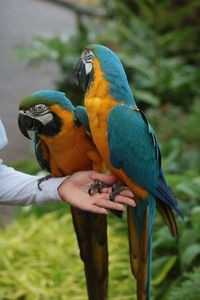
{"x":17,"y":188}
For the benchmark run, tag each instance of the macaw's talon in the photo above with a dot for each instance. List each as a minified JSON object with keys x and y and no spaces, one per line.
{"x":39,"y":181}
{"x":116,"y":190}
{"x":97,"y":186}
{"x":117,"y":213}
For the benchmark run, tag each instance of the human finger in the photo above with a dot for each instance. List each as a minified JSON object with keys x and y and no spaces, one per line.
{"x":96,"y":209}
{"x":109,"y":204}
{"x":125,"y":200}
{"x":127,"y":193}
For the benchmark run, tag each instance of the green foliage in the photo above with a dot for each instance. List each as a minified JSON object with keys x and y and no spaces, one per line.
{"x":40,"y":260}
{"x":29,"y":166}
{"x":157,"y":42}
{"x":159,"y":48}
{"x":178,"y":133}
{"x":181,"y":161}
{"x":189,"y":288}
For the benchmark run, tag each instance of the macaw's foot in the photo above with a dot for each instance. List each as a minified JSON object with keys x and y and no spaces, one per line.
{"x":43,"y":179}
{"x":97,"y":186}
{"x":116,"y":190}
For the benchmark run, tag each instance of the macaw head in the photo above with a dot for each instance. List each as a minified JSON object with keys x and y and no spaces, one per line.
{"x":39,"y":112}
{"x":99,"y":62}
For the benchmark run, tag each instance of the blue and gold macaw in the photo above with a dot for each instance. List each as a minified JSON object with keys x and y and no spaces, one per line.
{"x":129,"y":147}
{"x":62,"y":146}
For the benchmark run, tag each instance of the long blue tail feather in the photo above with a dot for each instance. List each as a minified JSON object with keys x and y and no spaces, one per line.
{"x":152,"y":208}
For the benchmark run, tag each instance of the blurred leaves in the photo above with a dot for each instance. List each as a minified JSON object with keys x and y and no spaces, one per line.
{"x":188,"y":289}
{"x":34,"y":272}
{"x":189,"y":254}
{"x":40,"y":260}
{"x":29,"y":166}
{"x":159,"y":51}
{"x":195,"y":217}
{"x":161,"y":267}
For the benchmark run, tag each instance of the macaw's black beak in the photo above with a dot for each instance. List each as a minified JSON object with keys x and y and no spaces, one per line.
{"x":79,"y":72}
{"x":26,"y":123}
{"x":81,"y":76}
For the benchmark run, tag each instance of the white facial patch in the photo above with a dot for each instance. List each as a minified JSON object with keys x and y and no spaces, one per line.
{"x":44,"y":117}
{"x":88,"y":68}
{"x":87,"y":58}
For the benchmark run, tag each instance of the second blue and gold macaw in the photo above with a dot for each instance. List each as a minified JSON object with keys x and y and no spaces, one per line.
{"x":63,"y":147}
{"x":129,"y":147}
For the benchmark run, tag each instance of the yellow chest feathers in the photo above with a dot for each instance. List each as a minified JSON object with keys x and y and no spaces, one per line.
{"x":98,"y":99}
{"x":68,"y":149}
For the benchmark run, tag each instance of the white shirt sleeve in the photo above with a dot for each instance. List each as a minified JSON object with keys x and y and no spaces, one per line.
{"x":3,"y":137}
{"x":17,"y":188}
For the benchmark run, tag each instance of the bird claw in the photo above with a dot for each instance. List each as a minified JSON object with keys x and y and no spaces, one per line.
{"x":39,"y":181}
{"x":97,"y":186}
{"x":116,"y":190}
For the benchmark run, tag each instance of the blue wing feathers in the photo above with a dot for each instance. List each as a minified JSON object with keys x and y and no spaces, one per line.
{"x":82,"y":117}
{"x":134,"y":148}
{"x":44,"y":164}
{"x":131,"y":146}
{"x":154,"y":138}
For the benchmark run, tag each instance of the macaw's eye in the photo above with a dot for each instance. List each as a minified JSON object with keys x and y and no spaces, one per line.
{"x":87,"y":52}
{"x":39,"y":109}
{"x":87,"y":55}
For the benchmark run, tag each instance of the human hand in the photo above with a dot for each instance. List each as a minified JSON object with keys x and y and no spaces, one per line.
{"x":74,"y":190}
